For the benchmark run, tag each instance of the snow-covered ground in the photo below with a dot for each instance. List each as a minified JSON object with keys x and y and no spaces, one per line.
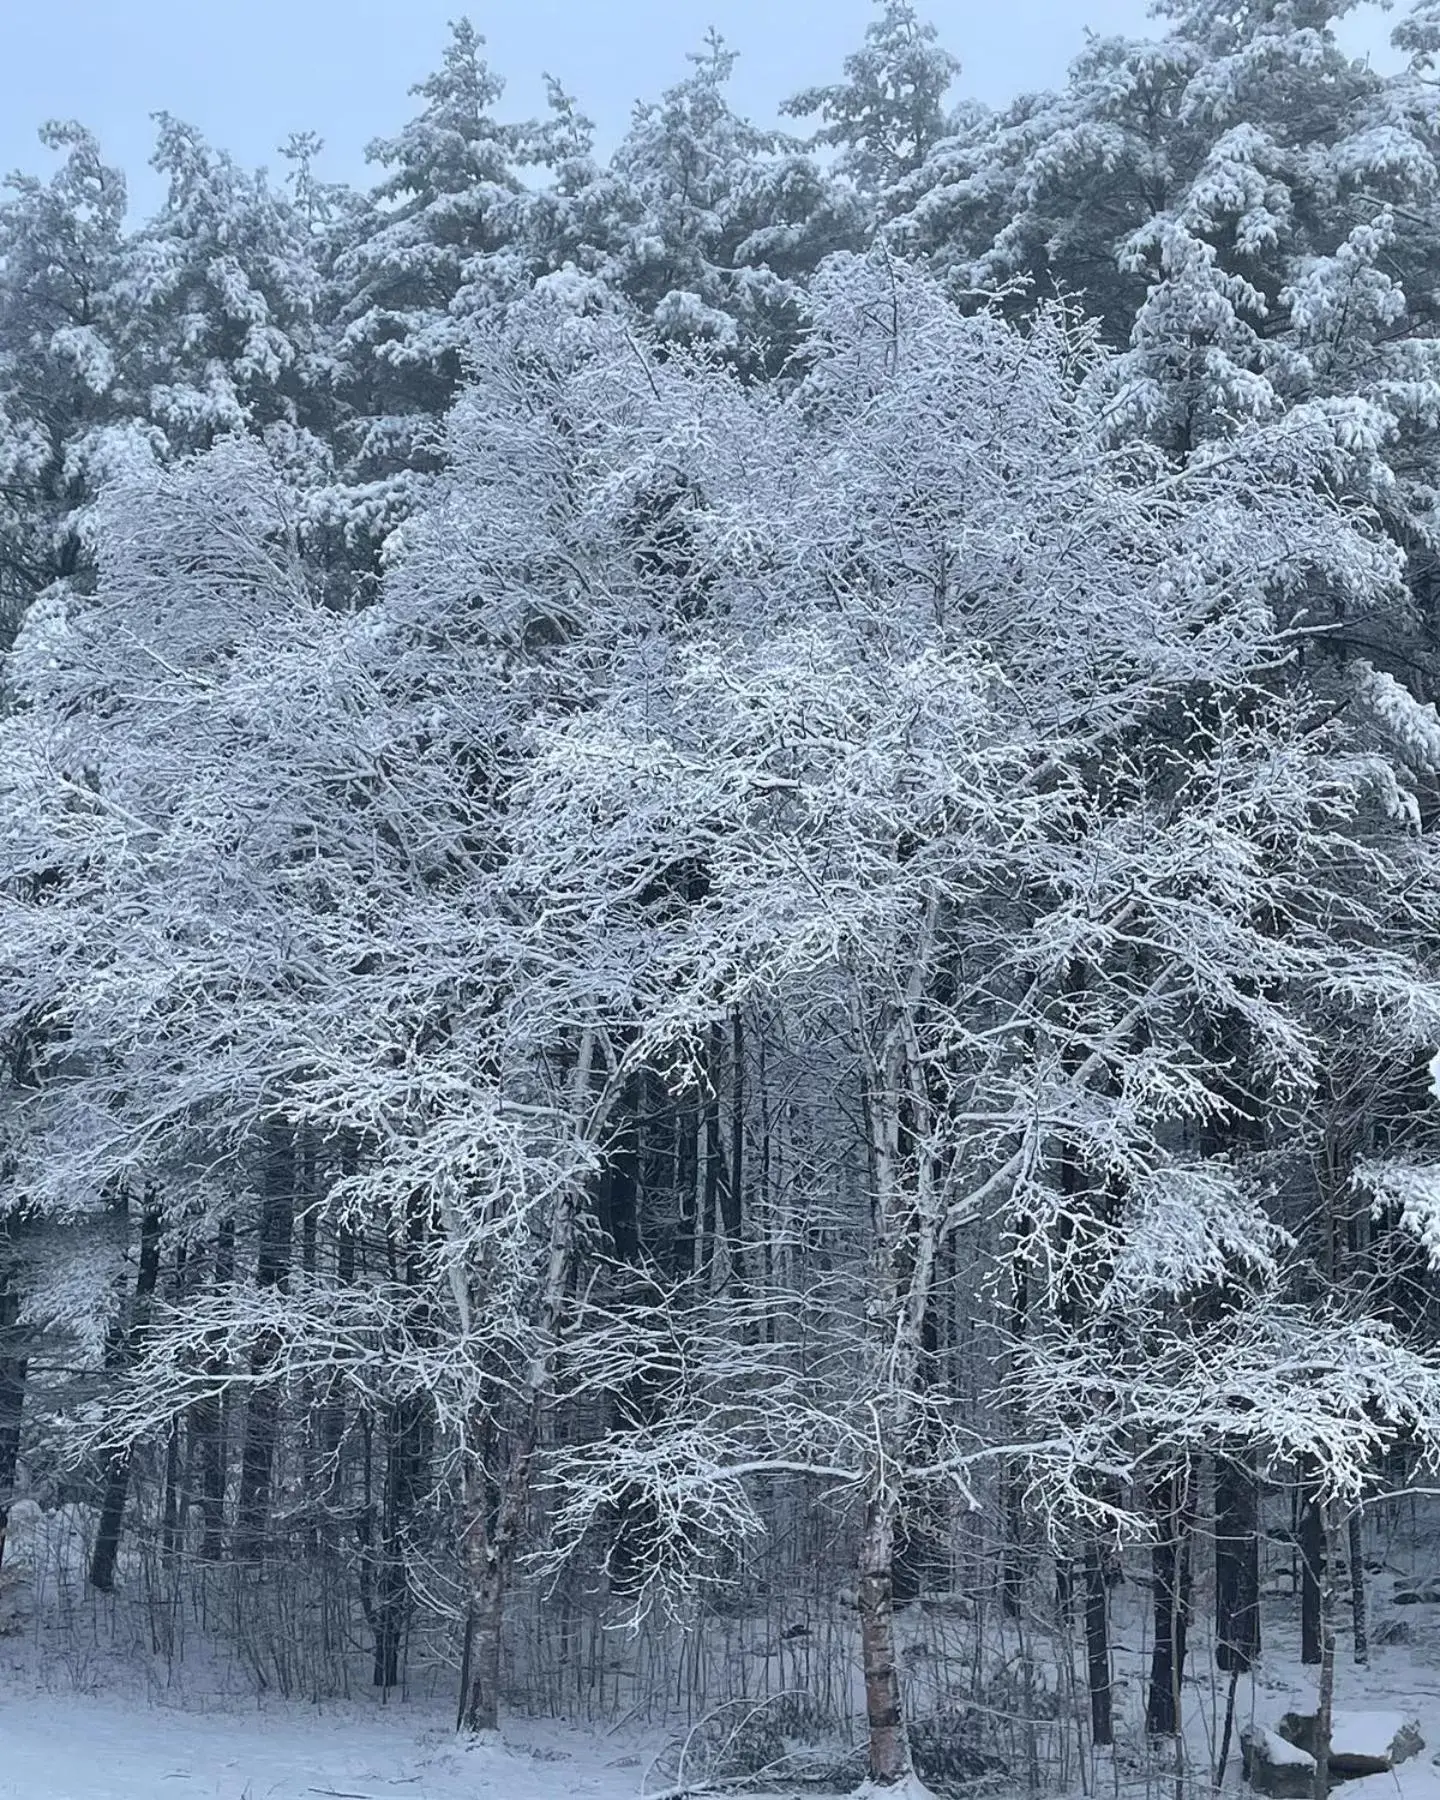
{"x":59,"y":1743}
{"x":79,"y":1746}
{"x":78,"y":1722}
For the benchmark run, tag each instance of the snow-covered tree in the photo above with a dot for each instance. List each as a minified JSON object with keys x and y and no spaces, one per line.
{"x":890,"y":111}
{"x":439,"y":244}
{"x":717,"y":220}
{"x":63,"y":408}
{"x":1241,"y":201}
{"x":221,"y":289}
{"x":978,"y":767}
{"x":677,"y":906}
{"x":309,"y":813}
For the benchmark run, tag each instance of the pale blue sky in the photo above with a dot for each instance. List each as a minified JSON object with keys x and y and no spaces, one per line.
{"x":248,"y":72}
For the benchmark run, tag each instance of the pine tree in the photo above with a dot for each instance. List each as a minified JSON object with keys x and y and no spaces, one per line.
{"x":1419,"y":33}
{"x":717,"y":220}
{"x":1243,"y":206}
{"x":439,"y":243}
{"x":223,"y":284}
{"x":64,"y":407}
{"x":889,"y":113}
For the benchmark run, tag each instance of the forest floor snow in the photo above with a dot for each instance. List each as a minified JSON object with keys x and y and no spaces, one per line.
{"x":82,"y":1746}
{"x":59,"y":1741}
{"x":77,"y":1723}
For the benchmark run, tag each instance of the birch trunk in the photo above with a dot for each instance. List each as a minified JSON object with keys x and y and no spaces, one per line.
{"x":1324,"y":1710}
{"x":490,"y":1538}
{"x":890,"y":1764}
{"x":485,"y":1573}
{"x":905,"y":1220}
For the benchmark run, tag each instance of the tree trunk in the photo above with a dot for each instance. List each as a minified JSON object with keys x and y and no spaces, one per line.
{"x":480,"y":1686}
{"x":404,"y":1456}
{"x":207,"y":1421}
{"x":1097,"y":1646}
{"x":631,"y":1165}
{"x":262,"y":1414}
{"x":492,"y":1529}
{"x":257,"y":1461}
{"x":117,"y":1473}
{"x":1324,"y":1709}
{"x":332,"y":1413}
{"x":489,"y":1540}
{"x":170,"y":1514}
{"x":13,"y":1369}
{"x":1229,"y":1729}
{"x":685,"y":1114}
{"x":732,"y":1192}
{"x":1014,"y":1557}
{"x":1312,"y":1571}
{"x":890,"y":1763}
{"x":713,"y":1170}
{"x":1170,"y":1562}
{"x":1237,"y":1564}
{"x":1355,"y":1533}
{"x":618,"y":1192}
{"x":492,"y":1525}
{"x":173,"y":1512}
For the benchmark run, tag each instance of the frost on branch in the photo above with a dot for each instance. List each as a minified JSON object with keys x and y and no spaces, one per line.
{"x":1411,"y":1191}
{"x":887,"y":769}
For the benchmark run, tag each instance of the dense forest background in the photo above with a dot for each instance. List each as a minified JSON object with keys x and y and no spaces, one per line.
{"x":721,"y":918}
